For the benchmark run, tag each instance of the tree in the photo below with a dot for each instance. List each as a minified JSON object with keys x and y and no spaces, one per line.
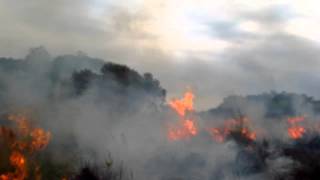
{"x":81,"y":80}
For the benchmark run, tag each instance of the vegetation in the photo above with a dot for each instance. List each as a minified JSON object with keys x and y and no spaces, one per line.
{"x":42,"y":83}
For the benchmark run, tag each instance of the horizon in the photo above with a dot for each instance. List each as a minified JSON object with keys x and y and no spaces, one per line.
{"x":159,"y":90}
{"x":233,"y":47}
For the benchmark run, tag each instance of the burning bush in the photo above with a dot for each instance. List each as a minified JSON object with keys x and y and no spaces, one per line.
{"x":186,"y":127}
{"x":20,"y":144}
{"x":114,"y":98}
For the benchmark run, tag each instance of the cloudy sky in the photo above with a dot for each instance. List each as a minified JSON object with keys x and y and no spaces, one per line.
{"x":215,"y":47}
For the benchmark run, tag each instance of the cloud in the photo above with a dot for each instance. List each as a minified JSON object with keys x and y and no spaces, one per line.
{"x":232,"y":47}
{"x":271,"y":15}
{"x":230,"y":31}
{"x":278,"y":62}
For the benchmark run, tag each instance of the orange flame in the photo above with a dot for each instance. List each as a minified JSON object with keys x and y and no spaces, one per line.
{"x":186,"y":127}
{"x":295,"y":130}
{"x":22,"y":141}
{"x":183,"y":105}
{"x":233,"y":125}
{"x":40,"y":138}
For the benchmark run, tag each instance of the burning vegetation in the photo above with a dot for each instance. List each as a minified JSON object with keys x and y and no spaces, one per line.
{"x":295,"y":130}
{"x":186,"y":127}
{"x":21,"y":142}
{"x":256,"y":149}
{"x":88,"y":107}
{"x":232,"y":126}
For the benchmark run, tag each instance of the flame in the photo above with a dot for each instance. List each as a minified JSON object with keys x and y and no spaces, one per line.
{"x":22,"y":141}
{"x":18,"y":160}
{"x":240,"y":125}
{"x":183,"y":105}
{"x":40,"y":138}
{"x":186,"y":127}
{"x":190,"y":126}
{"x":295,"y":130}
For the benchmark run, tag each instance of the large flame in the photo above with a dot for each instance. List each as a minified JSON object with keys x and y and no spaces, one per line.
{"x":181,"y":106}
{"x":241,"y":126}
{"x":22,"y":141}
{"x":186,"y":127}
{"x":296,"y":130}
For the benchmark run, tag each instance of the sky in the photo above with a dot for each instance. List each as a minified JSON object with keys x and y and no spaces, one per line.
{"x":218,"y":48}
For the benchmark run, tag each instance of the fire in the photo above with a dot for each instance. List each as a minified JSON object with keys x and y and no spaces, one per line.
{"x":241,"y":128}
{"x":183,"y":105}
{"x":40,"y":138}
{"x":190,"y":126}
{"x":240,"y":125}
{"x":22,"y":141}
{"x":186,"y":127}
{"x":295,"y":130}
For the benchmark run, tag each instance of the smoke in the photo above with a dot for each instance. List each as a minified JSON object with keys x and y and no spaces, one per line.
{"x":267,"y":43}
{"x":95,"y":110}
